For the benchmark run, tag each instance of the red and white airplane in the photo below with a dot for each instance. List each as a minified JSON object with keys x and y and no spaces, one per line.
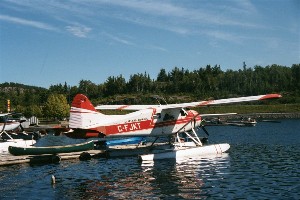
{"x":146,"y":120}
{"x":150,"y":121}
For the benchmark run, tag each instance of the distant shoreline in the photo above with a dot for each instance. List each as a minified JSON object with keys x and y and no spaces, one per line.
{"x":259,"y":116}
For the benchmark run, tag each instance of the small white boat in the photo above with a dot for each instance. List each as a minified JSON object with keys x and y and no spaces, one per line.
{"x":186,"y":151}
{"x":9,"y":138}
{"x":243,"y":122}
{"x":9,"y":126}
{"x":4,"y":144}
{"x":6,"y":124}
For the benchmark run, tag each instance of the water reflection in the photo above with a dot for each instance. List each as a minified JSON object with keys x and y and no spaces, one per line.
{"x":128,"y":179}
{"x":185,"y":178}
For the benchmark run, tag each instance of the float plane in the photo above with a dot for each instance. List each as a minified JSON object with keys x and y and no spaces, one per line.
{"x":8,"y":137}
{"x":7,"y":125}
{"x":149,"y":121}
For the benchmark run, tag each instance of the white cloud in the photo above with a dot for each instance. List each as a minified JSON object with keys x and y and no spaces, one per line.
{"x":118,"y":39}
{"x":179,"y":14}
{"x":175,"y":17}
{"x":25,"y":22}
{"x":225,"y":36}
{"x":247,"y":6}
{"x":158,"y":48}
{"x":79,"y":30}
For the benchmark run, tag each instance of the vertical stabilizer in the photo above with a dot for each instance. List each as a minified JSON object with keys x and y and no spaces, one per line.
{"x":83,"y":114}
{"x":81,"y":101}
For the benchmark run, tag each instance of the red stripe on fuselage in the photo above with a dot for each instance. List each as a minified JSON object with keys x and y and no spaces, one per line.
{"x":142,"y":125}
{"x":127,"y":127}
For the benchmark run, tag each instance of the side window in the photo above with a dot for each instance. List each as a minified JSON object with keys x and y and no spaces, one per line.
{"x":182,"y":113}
{"x":157,"y":116}
{"x":168,"y":117}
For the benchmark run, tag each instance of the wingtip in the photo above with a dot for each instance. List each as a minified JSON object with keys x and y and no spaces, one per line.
{"x":270,"y":96}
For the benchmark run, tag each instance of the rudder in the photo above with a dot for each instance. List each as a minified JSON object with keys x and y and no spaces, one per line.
{"x":81,"y":101}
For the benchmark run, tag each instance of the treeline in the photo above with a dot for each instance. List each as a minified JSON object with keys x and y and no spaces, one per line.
{"x":179,"y":84}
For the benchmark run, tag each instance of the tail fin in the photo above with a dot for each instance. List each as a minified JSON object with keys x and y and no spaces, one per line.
{"x":84,"y":118}
{"x":81,"y":101}
{"x":83,"y":114}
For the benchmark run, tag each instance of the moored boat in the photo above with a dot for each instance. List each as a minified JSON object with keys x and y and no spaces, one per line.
{"x":104,"y":144}
{"x":243,"y":122}
{"x":4,"y":144}
{"x":133,"y":140}
{"x":51,"y":149}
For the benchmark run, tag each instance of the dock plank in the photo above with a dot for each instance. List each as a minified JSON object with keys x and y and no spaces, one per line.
{"x":9,"y":159}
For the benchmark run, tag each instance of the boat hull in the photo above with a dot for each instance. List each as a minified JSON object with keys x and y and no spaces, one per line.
{"x":14,"y":142}
{"x":187,"y":152}
{"x":51,"y":150}
{"x":126,"y":141}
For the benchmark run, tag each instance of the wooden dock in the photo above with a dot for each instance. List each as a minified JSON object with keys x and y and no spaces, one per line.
{"x":110,"y":152}
{"x":8,"y":159}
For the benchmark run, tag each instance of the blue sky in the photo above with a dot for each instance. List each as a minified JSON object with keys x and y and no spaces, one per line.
{"x":44,"y":43}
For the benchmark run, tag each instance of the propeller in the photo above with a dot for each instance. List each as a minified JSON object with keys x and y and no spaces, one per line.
{"x":194,"y":118}
{"x":22,"y":129}
{"x":204,"y":129}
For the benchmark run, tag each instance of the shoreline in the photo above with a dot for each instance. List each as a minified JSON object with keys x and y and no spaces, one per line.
{"x":261,"y":116}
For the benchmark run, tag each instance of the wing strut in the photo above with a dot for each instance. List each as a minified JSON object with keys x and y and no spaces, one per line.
{"x":204,"y":129}
{"x":194,"y":135}
{"x":187,"y":123}
{"x":154,"y":141}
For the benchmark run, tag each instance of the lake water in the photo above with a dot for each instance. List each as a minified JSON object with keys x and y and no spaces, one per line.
{"x":263,"y":163}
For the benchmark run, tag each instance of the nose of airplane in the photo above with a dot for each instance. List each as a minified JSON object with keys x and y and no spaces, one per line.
{"x":196,"y":116}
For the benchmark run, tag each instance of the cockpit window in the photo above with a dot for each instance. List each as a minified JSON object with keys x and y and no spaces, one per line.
{"x":157,"y":116}
{"x":182,"y":113}
{"x":168,"y":117}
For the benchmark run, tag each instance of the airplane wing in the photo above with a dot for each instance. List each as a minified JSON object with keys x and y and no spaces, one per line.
{"x":191,"y":104}
{"x":125,"y":107}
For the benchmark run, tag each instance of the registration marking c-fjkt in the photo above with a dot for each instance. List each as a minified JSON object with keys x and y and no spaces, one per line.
{"x":129,"y":127}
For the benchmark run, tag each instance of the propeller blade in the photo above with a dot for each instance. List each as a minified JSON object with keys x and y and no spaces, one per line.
{"x":22,"y":129}
{"x":204,"y":129}
{"x":194,"y":118}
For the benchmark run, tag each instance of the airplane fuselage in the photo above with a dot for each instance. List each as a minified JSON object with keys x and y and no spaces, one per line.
{"x":8,"y":126}
{"x":148,"y":122}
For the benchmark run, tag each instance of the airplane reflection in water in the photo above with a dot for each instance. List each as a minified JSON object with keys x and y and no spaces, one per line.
{"x":184,"y":178}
